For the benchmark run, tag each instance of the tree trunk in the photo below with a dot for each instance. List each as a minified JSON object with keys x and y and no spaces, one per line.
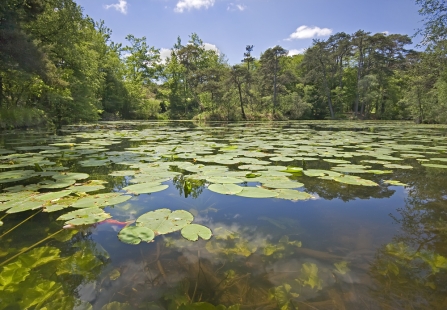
{"x":244,"y":117}
{"x":359,"y":75}
{"x":274,"y":86}
{"x":328,"y":91}
{"x":1,"y":91}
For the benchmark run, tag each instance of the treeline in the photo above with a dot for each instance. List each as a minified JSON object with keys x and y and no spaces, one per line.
{"x":59,"y":65}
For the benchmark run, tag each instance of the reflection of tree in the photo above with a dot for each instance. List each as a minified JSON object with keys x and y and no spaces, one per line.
{"x":188,"y":187}
{"x":334,"y":190}
{"x":412,"y":270}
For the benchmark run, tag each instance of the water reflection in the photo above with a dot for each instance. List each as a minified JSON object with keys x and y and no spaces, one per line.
{"x":352,"y":247}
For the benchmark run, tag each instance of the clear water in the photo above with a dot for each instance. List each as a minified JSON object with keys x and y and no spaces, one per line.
{"x":349,"y":247}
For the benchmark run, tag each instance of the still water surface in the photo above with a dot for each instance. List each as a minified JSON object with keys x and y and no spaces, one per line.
{"x":349,"y":244}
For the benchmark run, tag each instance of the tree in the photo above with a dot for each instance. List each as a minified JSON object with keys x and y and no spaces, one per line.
{"x":435,"y":20}
{"x":270,"y":68}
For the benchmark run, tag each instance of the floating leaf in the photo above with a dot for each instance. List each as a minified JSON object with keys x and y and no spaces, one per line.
{"x":353,"y":180}
{"x":88,"y":217}
{"x":192,"y":232}
{"x":224,"y":180}
{"x":163,"y":221}
{"x":146,"y":188}
{"x":122,"y":173}
{"x":101,"y":200}
{"x":136,"y":234}
{"x":57,"y":184}
{"x":25,"y":206}
{"x":290,"y":194}
{"x":291,"y":169}
{"x":225,"y":189}
{"x":435,"y":166}
{"x":256,"y":192}
{"x":395,"y":166}
{"x":70,"y":176}
{"x":396,"y":183}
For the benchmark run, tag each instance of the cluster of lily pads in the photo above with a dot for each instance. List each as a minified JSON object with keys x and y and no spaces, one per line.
{"x":161,"y":222}
{"x":253,"y":162}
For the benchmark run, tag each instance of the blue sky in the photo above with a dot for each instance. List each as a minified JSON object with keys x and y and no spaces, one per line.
{"x":230,"y":25}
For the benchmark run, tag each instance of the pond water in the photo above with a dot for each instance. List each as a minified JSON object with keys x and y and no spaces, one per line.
{"x":293,"y":215}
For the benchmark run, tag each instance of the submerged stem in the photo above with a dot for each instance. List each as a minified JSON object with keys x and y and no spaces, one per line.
{"x":30,"y":247}
{"x":25,"y":220}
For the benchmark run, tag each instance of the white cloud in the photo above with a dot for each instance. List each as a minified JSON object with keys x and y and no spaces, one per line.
{"x":305,"y":32}
{"x":183,"y":5}
{"x":294,"y":52}
{"x":211,"y":47}
{"x":235,"y":7}
{"x":386,"y":33}
{"x":164,"y":54}
{"x":121,"y":6}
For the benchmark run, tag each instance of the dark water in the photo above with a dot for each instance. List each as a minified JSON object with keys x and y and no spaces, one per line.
{"x":349,"y":247}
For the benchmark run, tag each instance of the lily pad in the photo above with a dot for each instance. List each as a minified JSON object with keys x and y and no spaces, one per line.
{"x":163,"y":221}
{"x":136,"y":234}
{"x":146,"y":188}
{"x":192,"y":232}
{"x":290,"y":194}
{"x":101,"y":200}
{"x":395,"y":183}
{"x":25,"y":206}
{"x":435,"y":166}
{"x":353,"y":180}
{"x":224,"y":180}
{"x":85,"y":216}
{"x":225,"y":189}
{"x":256,"y":192}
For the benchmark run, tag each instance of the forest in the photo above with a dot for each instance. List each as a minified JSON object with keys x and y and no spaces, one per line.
{"x":59,"y":66}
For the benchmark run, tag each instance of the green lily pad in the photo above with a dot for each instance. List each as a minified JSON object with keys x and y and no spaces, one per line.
{"x":395,"y":183}
{"x":353,"y":180}
{"x":435,"y":166}
{"x":291,"y":169}
{"x":94,"y":162}
{"x":52,"y":195}
{"x":70,"y":176}
{"x":281,"y":158}
{"x":290,"y":194}
{"x":256,"y":192}
{"x":163,"y":221}
{"x":225,"y":189}
{"x":101,"y":200}
{"x":122,"y":173}
{"x":86,"y":188}
{"x":146,"y":188}
{"x":337,"y":161}
{"x":192,"y":232}
{"x":25,"y":206}
{"x":136,"y":234}
{"x":282,"y":184}
{"x":85,"y":216}
{"x":395,"y":166}
{"x":224,"y":180}
{"x":57,"y":184}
